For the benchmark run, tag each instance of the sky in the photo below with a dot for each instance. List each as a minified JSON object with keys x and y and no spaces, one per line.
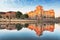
{"x":29,"y":5}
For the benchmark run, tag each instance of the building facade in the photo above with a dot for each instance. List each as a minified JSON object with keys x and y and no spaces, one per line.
{"x":40,"y":13}
{"x":8,"y":15}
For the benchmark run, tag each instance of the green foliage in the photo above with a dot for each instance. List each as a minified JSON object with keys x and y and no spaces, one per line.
{"x":18,"y":26}
{"x":18,"y":14}
{"x":22,"y":17}
{"x":26,"y":25}
{"x":26,"y":15}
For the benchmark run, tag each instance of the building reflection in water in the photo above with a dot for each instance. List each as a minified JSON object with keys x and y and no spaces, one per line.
{"x":38,"y":28}
{"x":7,"y":26}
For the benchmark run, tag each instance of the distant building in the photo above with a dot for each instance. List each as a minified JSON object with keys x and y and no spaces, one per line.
{"x":49,"y":14}
{"x":30,"y":14}
{"x":9,"y":14}
{"x":2,"y":14}
{"x":41,"y":13}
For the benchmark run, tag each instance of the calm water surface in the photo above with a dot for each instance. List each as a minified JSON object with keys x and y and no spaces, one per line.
{"x":32,"y":32}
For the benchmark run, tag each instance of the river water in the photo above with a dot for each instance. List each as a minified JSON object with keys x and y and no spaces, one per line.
{"x":42,"y":31}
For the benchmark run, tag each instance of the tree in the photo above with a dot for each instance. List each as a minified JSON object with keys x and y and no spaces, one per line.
{"x":22,"y":17}
{"x":26,"y":16}
{"x":18,"y":14}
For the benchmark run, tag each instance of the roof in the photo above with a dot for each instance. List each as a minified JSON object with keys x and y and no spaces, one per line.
{"x":2,"y":12}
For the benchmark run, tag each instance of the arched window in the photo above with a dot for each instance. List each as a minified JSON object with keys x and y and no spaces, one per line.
{"x":7,"y":17}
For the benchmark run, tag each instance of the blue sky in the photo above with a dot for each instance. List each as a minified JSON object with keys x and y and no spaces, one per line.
{"x":29,"y":5}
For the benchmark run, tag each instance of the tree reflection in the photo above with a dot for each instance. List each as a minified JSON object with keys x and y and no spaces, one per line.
{"x":18,"y":26}
{"x":26,"y":25}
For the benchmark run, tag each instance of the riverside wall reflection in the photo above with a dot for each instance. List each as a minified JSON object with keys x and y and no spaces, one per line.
{"x":38,"y":28}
